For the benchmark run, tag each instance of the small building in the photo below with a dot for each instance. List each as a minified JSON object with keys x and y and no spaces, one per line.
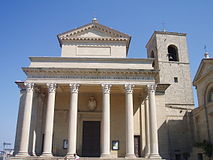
{"x":94,"y":101}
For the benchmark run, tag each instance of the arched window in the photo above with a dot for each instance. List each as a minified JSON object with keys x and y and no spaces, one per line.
{"x":210,"y":95}
{"x":152,"y":55}
{"x":173,"y":53}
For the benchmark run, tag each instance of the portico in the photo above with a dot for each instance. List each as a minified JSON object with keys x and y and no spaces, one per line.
{"x":76,"y":116}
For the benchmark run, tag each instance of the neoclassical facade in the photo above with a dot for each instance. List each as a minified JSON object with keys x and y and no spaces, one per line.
{"x":96,"y":102}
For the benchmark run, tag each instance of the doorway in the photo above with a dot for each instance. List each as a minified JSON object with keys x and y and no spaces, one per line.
{"x":91,"y":139}
{"x":137,"y":145}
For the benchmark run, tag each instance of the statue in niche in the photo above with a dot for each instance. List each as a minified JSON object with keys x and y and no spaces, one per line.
{"x":92,"y":103}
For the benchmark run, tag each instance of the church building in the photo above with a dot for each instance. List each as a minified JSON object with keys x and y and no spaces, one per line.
{"x":94,"y":101}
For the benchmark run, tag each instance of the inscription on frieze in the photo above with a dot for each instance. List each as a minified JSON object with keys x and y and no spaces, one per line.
{"x":94,"y":77}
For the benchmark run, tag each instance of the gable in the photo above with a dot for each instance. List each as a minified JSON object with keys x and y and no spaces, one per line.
{"x":93,"y":30}
{"x":94,"y":40}
{"x":206,"y":66}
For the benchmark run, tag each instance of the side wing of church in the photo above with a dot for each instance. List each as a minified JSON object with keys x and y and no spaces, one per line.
{"x":93,"y":101}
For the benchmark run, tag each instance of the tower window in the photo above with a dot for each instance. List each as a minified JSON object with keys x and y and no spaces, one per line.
{"x":176,"y":79}
{"x":173,"y":53}
{"x":210,"y":95}
{"x":152,"y":55}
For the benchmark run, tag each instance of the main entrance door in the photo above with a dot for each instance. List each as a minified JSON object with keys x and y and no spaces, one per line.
{"x":91,"y":139}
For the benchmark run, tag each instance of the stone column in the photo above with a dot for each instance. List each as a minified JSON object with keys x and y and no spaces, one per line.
{"x":105,"y":124}
{"x":25,"y":130}
{"x":129,"y":121}
{"x":48,"y":133}
{"x":72,"y":130}
{"x":147,"y":132}
{"x":153,"y":123}
{"x":33,"y":136}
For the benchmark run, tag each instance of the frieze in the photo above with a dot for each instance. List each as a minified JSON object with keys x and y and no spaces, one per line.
{"x":93,"y":77}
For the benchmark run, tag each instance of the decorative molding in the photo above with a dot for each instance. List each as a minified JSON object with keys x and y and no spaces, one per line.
{"x":94,"y":26}
{"x":74,"y":87}
{"x":129,"y":88}
{"x":92,"y":105}
{"x":51,"y":87}
{"x":95,"y":77}
{"x":106,"y":88}
{"x":62,"y":73}
{"x":92,"y":39}
{"x":29,"y":86}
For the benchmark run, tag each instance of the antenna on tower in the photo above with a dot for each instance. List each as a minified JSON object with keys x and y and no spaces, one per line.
{"x":205,"y":48}
{"x":206,"y":54}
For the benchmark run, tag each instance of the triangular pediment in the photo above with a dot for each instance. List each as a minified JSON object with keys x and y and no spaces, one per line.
{"x":205,"y":67}
{"x":93,"y":30}
{"x":93,"y":33}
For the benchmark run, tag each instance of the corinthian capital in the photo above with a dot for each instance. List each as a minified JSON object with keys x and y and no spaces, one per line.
{"x":129,"y":88}
{"x":106,"y":88}
{"x":29,"y":86}
{"x":51,"y":87}
{"x":74,"y":87}
{"x":151,"y":87}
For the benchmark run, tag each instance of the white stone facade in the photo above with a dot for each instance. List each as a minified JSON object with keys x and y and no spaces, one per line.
{"x":133,"y":105}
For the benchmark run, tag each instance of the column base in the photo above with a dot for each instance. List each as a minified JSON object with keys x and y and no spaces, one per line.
{"x":46,"y":155}
{"x":155,"y":156}
{"x":147,"y":155}
{"x":105,"y":155}
{"x":129,"y":155}
{"x":70,"y":156}
{"x":22,"y":154}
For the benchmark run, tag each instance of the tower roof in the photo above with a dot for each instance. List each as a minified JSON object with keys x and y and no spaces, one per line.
{"x":165,"y":33}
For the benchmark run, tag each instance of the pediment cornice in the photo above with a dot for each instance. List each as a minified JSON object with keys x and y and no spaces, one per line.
{"x":96,"y":26}
{"x":111,"y":34}
{"x":92,"y":39}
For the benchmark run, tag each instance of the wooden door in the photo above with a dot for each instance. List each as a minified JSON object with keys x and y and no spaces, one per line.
{"x":91,"y":139}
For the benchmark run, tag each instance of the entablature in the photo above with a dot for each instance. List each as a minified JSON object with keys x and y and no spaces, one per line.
{"x":91,"y":74}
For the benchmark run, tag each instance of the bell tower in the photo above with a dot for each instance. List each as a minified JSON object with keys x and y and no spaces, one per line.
{"x":171,"y":59}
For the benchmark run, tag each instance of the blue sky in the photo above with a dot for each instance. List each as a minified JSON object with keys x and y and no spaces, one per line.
{"x":29,"y":28}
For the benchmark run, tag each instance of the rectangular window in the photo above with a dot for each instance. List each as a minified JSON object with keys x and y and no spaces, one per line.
{"x":176,"y":79}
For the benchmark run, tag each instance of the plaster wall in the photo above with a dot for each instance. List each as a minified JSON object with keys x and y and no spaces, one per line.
{"x":91,"y":63}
